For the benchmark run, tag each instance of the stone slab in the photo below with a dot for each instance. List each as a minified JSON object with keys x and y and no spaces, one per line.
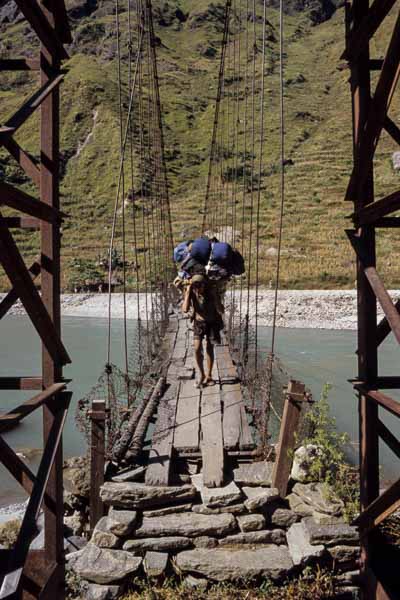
{"x":131,"y":475}
{"x":168,"y":510}
{"x":187,"y":525}
{"x":270,"y":536}
{"x":331,"y":535}
{"x":299,"y":545}
{"x":164,"y":544}
{"x":233,"y":509}
{"x":222,"y":564}
{"x":217,"y":497}
{"x":135,"y":495}
{"x":281,"y":517}
{"x":251,"y":522}
{"x":103,"y":537}
{"x":155,"y":563}
{"x":121,"y":522}
{"x":102,"y":592}
{"x":258,"y":497}
{"x":99,"y":565}
{"x":318,"y":496}
{"x":254,"y":474}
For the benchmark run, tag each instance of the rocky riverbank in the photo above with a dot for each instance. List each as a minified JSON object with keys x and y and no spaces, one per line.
{"x":309,"y":309}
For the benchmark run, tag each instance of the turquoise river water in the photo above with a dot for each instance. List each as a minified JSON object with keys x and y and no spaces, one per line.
{"x":313,"y":355}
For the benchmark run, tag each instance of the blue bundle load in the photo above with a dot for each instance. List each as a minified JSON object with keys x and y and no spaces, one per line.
{"x":201,"y":250}
{"x":181,"y":251}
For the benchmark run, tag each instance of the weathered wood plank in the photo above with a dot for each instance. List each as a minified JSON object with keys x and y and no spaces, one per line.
{"x":187,"y":426}
{"x":227,"y":371}
{"x":236,"y":429}
{"x":212,"y":447}
{"x":158,"y":470}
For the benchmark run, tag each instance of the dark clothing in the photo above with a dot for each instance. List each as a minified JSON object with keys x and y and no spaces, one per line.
{"x":211,"y":331}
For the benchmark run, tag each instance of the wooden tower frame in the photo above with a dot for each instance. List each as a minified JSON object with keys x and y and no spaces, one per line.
{"x":370,"y":117}
{"x":37,"y":572}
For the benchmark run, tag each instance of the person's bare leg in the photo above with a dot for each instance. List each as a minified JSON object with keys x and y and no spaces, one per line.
{"x":199,"y":358}
{"x":210,"y":362}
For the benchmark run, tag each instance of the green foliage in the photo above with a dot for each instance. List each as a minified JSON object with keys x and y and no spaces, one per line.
{"x":330,"y":465}
{"x":310,"y":585}
{"x":84,"y":271}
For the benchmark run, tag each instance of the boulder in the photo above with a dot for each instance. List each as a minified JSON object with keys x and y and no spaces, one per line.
{"x":303,"y":459}
{"x":331,"y":535}
{"x":320,"y":497}
{"x":258,"y":497}
{"x":102,"y":592}
{"x":251,"y":522}
{"x":298,"y":506}
{"x":164,"y":544}
{"x":345,"y":554}
{"x":195,"y":583}
{"x":103,"y":537}
{"x":155,"y":563}
{"x":223,"y":564}
{"x":138,"y":495}
{"x":205,"y":542}
{"x":76,"y":476}
{"x":186,"y":524}
{"x":74,"y":543}
{"x":299,"y":545}
{"x":121,"y":522}
{"x":74,"y":523}
{"x":396,"y":160}
{"x":234,"y":509}
{"x":281,"y":517}
{"x":168,"y":510}
{"x":99,"y":565}
{"x":254,"y":474}
{"x":217,"y":497}
{"x":274,"y":536}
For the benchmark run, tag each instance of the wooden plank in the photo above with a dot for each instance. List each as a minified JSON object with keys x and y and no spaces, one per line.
{"x":227,"y":371}
{"x":378,"y":209}
{"x":19,"y":64}
{"x":158,"y":470}
{"x":287,"y":438}
{"x":187,"y":424}
{"x":236,"y":430}
{"x":15,"y":198}
{"x":21,"y":383}
{"x":381,"y":508}
{"x":212,"y":446}
{"x":16,"y":415}
{"x":393,"y":406}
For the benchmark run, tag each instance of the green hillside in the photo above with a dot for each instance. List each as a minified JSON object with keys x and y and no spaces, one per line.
{"x":318,"y":132}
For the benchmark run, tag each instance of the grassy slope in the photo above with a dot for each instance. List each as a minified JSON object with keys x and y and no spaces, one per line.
{"x":318,"y":141}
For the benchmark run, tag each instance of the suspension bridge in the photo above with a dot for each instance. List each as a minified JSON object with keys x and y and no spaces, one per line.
{"x":144,"y":418}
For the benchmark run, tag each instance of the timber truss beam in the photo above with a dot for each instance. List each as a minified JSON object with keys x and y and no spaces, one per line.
{"x":26,"y":573}
{"x":370,"y":116}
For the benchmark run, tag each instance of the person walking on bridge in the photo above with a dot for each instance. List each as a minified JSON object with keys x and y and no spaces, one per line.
{"x":205,"y":307}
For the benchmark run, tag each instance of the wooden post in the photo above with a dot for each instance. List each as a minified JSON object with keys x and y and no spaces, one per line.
{"x":97,"y":460}
{"x":287,"y":434}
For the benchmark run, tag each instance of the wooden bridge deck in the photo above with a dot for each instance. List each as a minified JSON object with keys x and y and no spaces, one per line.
{"x":203,"y":423}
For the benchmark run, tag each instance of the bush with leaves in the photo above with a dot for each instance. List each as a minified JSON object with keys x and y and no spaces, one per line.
{"x":330,"y":465}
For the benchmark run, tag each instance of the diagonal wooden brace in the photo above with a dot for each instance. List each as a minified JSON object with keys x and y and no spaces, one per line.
{"x":376,"y":210}
{"x":359,"y":38}
{"x":377,"y":114}
{"x":25,"y":161}
{"x":12,"y":295}
{"x":381,"y":508}
{"x":28,"y":108}
{"x":34,"y":14}
{"x":21,"y":280}
{"x":15,"y":198}
{"x":11,"y":582}
{"x":377,"y":285}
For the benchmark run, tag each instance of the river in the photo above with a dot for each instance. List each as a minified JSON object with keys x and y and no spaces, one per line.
{"x":315,"y":356}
